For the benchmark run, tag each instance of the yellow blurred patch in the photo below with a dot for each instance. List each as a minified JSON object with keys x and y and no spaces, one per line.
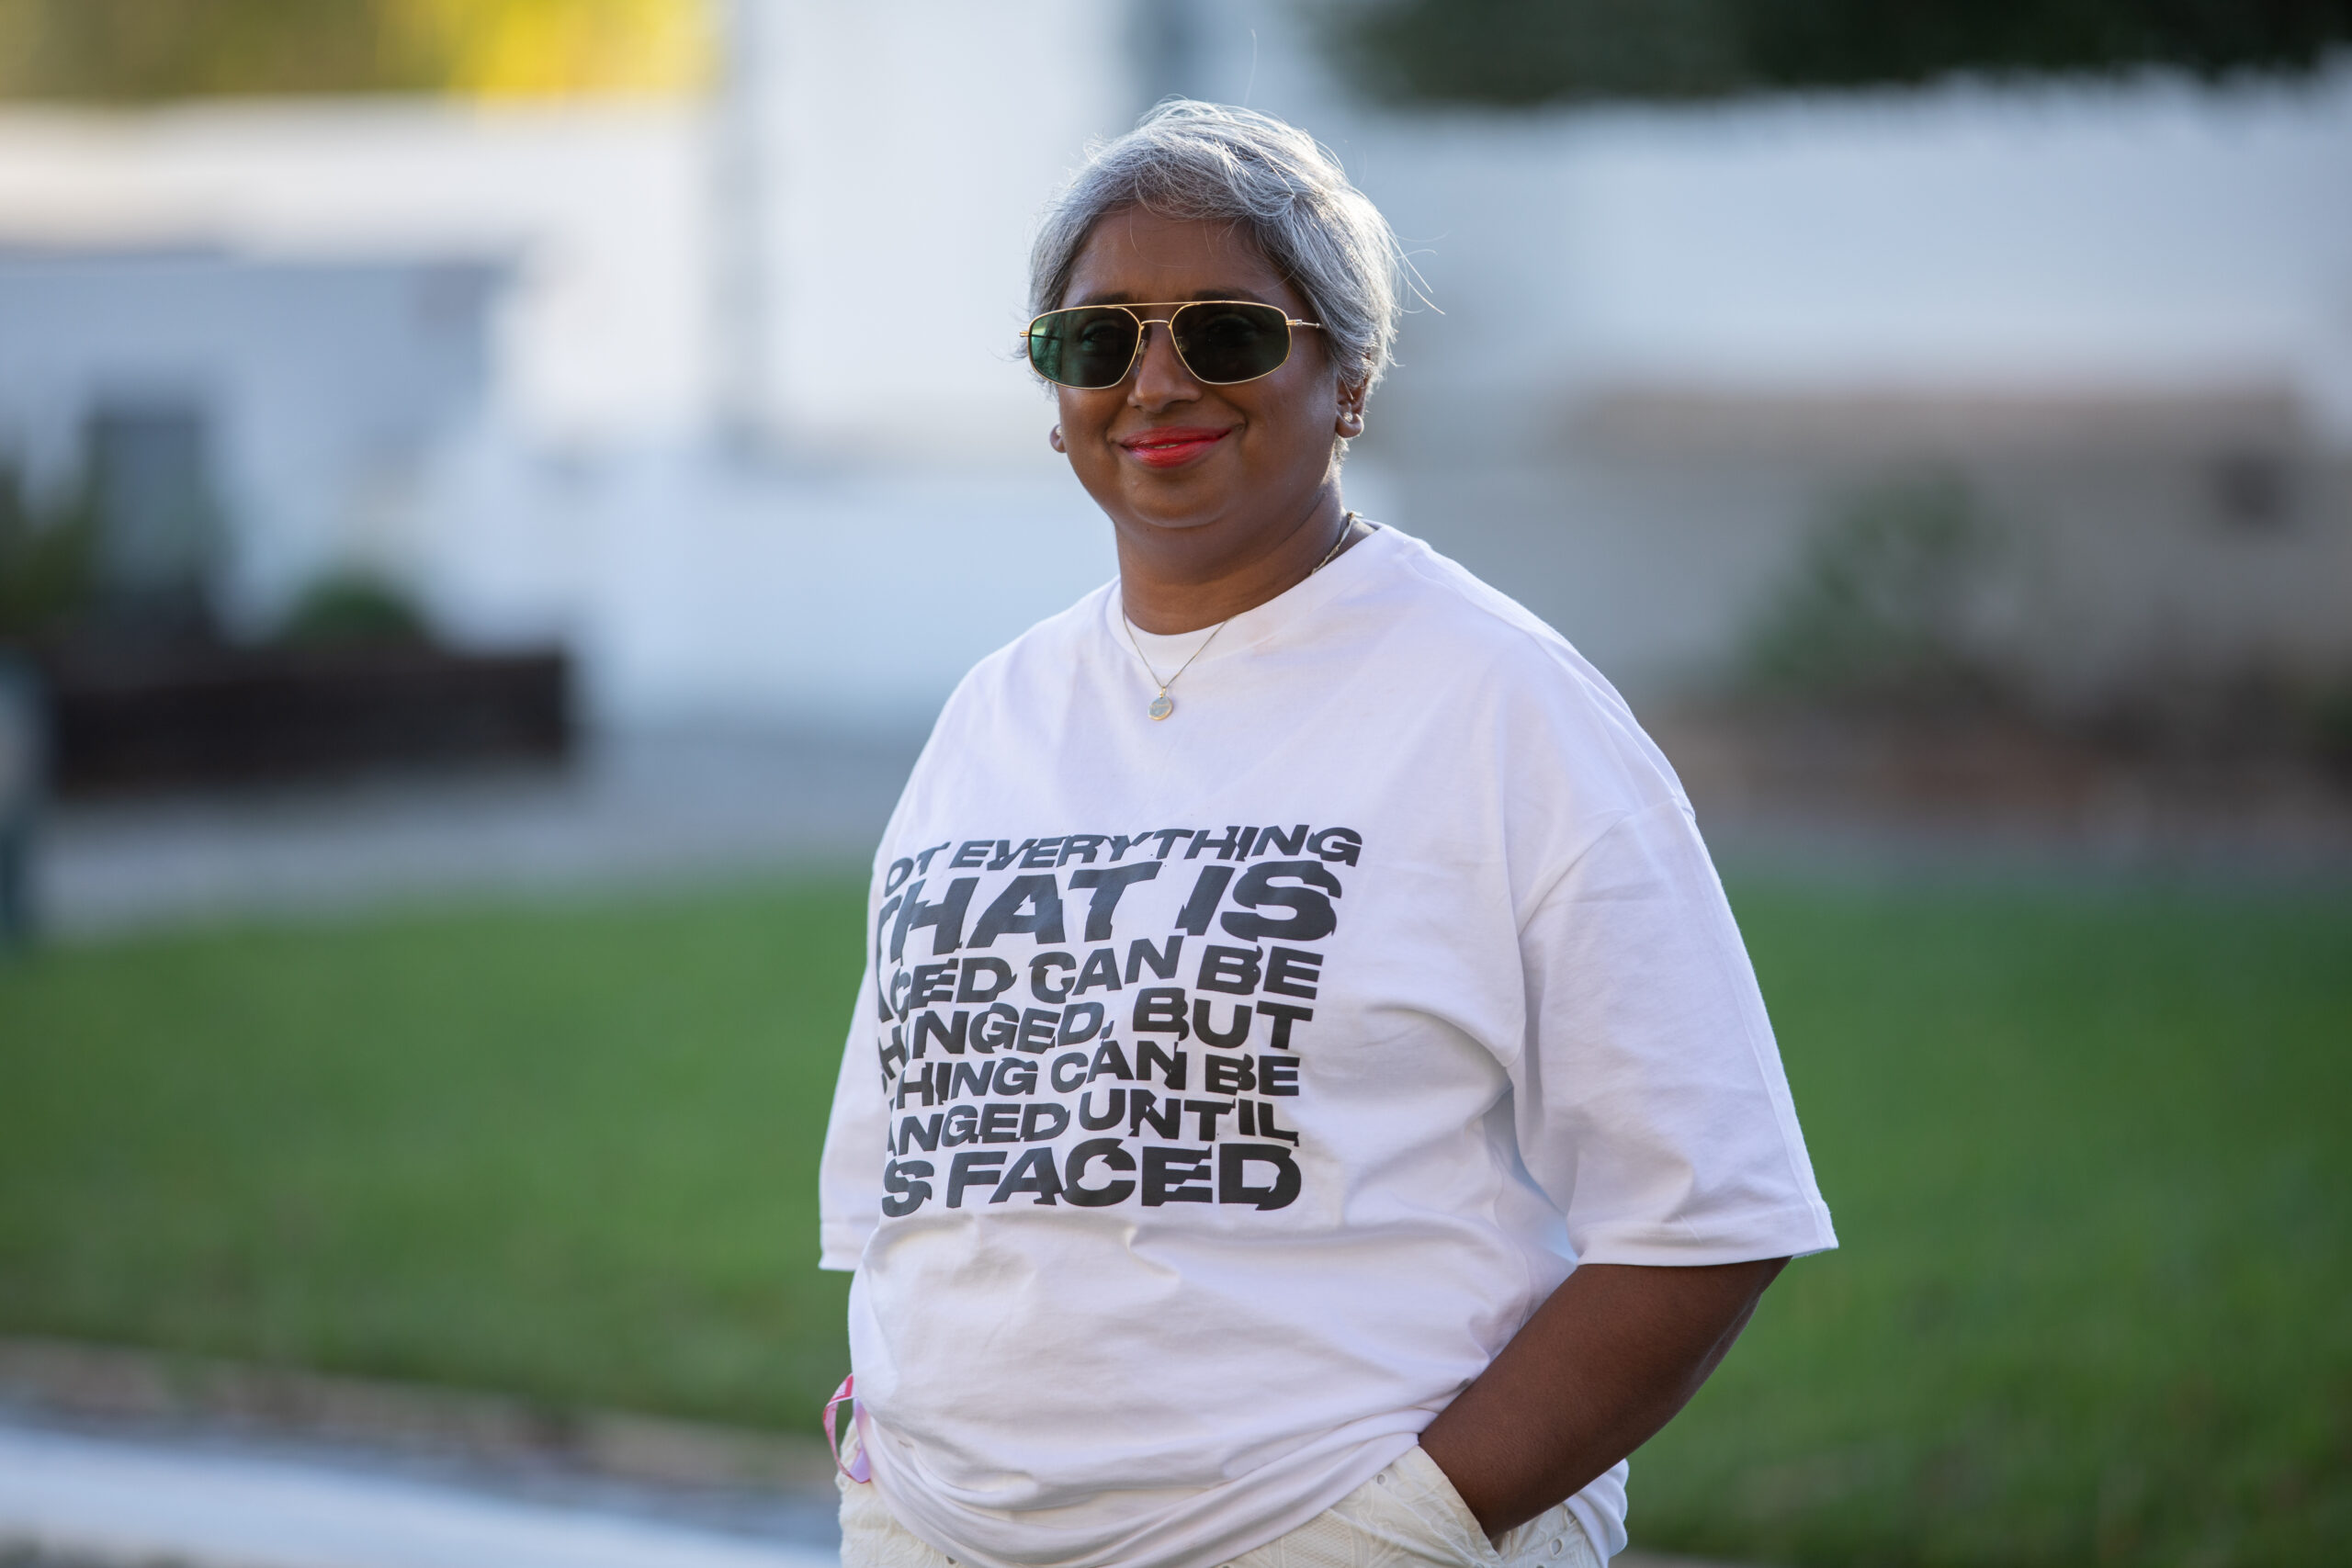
{"x":560,"y":48}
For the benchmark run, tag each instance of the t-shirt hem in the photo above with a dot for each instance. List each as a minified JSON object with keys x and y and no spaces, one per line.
{"x":840,"y":1246}
{"x":1795,"y":1231}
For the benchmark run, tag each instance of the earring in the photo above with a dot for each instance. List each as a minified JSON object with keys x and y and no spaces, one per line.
{"x":1054,"y":439}
{"x":1351,"y":422}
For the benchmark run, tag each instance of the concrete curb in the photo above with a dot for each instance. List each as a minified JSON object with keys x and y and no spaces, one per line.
{"x":114,"y":1501}
{"x":111,"y":1383}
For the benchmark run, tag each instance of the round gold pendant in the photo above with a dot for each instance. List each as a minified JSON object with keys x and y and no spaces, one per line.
{"x":1161,"y":707}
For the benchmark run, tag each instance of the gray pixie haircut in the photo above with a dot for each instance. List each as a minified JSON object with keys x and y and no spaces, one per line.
{"x":1186,"y":159}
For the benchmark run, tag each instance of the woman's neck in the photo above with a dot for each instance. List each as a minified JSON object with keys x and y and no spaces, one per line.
{"x":1181,"y":580}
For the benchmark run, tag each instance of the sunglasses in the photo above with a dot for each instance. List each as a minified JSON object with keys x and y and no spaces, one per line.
{"x":1221,"y":342}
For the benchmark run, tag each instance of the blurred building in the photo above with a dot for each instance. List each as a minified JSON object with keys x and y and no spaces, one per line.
{"x":726,"y":395}
{"x":674,"y":459}
{"x":315,"y":391}
{"x":1674,"y":343}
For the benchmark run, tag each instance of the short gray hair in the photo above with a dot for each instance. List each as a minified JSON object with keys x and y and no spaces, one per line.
{"x":1190,"y":160}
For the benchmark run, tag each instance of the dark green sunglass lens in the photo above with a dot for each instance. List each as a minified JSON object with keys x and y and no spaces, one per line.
{"x":1083,"y":347}
{"x":1226,"y":342}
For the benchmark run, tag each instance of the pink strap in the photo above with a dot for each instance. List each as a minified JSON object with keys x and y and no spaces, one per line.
{"x":856,"y":1468}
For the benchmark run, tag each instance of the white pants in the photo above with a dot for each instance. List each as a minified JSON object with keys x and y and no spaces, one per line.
{"x":1406,"y":1517}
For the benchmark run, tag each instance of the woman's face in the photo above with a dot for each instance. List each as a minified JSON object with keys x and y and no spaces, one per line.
{"x":1163,"y":451}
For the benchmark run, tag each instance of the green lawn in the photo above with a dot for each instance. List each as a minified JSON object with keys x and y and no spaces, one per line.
{"x":2087,"y":1154}
{"x":569,"y":1153}
{"x":2090,"y":1162}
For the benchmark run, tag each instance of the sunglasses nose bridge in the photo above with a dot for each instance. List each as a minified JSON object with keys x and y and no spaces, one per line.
{"x":1142,"y":343}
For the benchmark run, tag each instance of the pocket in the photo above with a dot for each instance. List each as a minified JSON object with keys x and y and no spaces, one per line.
{"x":1430,"y":1493}
{"x":1553,"y":1539}
{"x":868,"y":1526}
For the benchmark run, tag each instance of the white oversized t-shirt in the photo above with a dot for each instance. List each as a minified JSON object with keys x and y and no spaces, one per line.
{"x":1225,"y":1092}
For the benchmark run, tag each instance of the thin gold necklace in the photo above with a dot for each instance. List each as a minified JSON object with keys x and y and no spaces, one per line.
{"x":1164,"y":705}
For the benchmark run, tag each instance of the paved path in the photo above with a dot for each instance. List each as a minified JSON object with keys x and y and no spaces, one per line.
{"x":634,"y":810}
{"x":77,"y":1496}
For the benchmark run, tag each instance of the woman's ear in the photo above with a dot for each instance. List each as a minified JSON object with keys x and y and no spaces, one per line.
{"x":1350,"y":424}
{"x":1054,"y":439}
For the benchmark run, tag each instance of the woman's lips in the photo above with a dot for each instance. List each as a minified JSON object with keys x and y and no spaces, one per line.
{"x":1172,"y":445}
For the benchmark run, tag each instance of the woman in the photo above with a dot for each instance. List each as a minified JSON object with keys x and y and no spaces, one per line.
{"x":1309,"y":1100}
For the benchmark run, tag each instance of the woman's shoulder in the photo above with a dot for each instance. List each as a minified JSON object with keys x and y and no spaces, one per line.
{"x":1508,"y":668}
{"x":1469,"y":623}
{"x":1051,"y":644}
{"x":1009,"y":682}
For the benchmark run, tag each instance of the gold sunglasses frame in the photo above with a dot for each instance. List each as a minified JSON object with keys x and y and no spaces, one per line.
{"x":1144,"y":325}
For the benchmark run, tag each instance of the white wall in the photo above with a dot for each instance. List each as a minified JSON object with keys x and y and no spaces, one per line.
{"x":737,"y":591}
{"x":2132,"y":236}
{"x":906,"y":147}
{"x":600,"y":208}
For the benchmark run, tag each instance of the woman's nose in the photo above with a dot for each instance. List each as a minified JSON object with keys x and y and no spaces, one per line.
{"x":1160,"y":376}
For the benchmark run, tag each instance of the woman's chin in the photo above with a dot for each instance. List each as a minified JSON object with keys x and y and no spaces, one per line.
{"x":1178,"y":499}
{"x":1179,"y":514}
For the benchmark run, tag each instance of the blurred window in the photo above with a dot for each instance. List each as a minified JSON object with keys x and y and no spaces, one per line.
{"x":151,"y":483}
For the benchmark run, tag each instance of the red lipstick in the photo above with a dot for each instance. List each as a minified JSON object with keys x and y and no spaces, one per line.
{"x":1172,"y":445}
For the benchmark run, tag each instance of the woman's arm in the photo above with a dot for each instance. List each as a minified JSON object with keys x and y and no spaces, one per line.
{"x":1600,"y":1368}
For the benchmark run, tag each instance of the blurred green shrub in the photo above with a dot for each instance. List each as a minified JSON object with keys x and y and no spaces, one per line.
{"x":1532,"y":51}
{"x":133,"y":51}
{"x":353,"y":609}
{"x":48,"y":555}
{"x":1887,"y":602}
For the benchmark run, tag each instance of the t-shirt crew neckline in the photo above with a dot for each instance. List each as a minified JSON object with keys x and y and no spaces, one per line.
{"x":1248,"y":628}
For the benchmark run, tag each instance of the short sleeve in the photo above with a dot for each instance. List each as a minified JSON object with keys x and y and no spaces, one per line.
{"x":849,"y":1179}
{"x":1650,"y":1099}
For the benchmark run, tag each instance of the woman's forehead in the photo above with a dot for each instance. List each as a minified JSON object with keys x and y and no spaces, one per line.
{"x":1133,"y":255}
